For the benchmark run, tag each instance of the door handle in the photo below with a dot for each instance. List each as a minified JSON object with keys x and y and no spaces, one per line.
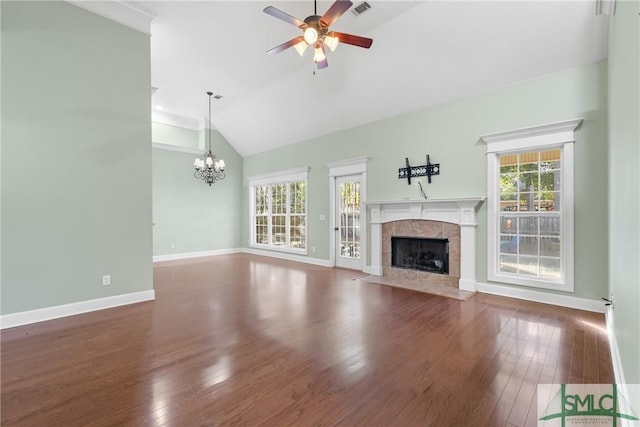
{"x":336,"y":229}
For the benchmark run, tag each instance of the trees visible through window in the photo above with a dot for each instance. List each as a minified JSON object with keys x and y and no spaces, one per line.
{"x":530,"y":210}
{"x":350,"y":219}
{"x":530,"y":214}
{"x":279,"y":217}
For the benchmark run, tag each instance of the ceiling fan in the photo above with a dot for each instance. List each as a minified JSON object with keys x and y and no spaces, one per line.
{"x":315,"y":31}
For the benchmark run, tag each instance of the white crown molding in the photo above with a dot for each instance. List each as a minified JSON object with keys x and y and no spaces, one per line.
{"x":49,"y":313}
{"x":347,"y":162}
{"x":557,"y":127}
{"x":199,"y":254}
{"x":284,"y":175}
{"x":535,"y":136}
{"x":169,"y":147}
{"x":542,"y":297}
{"x":354,"y":161}
{"x":175,"y":120}
{"x":120,"y":12}
{"x":347,"y":167}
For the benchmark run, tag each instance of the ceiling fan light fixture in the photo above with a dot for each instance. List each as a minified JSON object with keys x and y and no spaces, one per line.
{"x":301,"y":47}
{"x":311,"y":35}
{"x":319,"y":54}
{"x":316,"y":31}
{"x":331,"y":42}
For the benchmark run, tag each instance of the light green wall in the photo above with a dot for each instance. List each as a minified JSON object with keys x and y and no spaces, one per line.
{"x":624,"y":182}
{"x":190,"y":216}
{"x":174,"y":135}
{"x":76,"y":156}
{"x":450,"y":134}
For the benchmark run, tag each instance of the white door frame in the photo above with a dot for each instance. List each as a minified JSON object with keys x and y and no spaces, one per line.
{"x":357,"y":166}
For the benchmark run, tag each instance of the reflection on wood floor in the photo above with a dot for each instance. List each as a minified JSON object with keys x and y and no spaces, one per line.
{"x":247,"y":340}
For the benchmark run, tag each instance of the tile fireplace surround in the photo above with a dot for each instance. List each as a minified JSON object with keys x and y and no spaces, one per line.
{"x":427,"y":218}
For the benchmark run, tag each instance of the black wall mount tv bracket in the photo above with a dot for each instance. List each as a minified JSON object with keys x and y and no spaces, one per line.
{"x":416,"y":171}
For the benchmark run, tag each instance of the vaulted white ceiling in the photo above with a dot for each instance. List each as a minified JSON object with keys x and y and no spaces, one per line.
{"x":424,"y":53}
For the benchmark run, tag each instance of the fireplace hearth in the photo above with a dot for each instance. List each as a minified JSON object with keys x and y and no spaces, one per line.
{"x":423,"y":254}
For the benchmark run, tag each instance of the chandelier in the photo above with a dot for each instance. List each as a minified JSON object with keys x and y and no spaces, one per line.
{"x":207,"y":167}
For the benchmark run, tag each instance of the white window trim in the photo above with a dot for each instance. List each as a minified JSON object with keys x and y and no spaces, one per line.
{"x":554,"y":135}
{"x":272,"y":178}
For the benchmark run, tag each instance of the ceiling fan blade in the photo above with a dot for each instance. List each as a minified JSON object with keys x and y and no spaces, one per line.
{"x":352,"y":40}
{"x":285,"y":45}
{"x":335,"y":11}
{"x":277,"y":13}
{"x":324,"y":63}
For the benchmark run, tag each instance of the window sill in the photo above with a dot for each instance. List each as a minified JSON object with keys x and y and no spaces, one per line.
{"x":531,"y":282}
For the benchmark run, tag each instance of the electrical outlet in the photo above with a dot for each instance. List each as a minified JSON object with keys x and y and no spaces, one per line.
{"x":313,"y":248}
{"x":173,"y":246}
{"x":106,"y":280}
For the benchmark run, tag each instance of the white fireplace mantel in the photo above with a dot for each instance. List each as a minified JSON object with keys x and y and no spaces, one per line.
{"x":461,"y":211}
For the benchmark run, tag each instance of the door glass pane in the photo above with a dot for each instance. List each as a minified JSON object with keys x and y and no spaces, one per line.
{"x":349,"y":219}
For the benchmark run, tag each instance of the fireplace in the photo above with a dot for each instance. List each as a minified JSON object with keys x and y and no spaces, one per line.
{"x":420,"y":254}
{"x":452,"y":220}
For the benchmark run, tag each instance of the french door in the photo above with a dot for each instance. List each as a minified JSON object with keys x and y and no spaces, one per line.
{"x":348,"y":210}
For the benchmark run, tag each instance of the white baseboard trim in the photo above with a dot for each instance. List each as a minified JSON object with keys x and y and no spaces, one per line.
{"x":48,"y":313}
{"x":372,"y":270}
{"x":613,"y":346}
{"x":289,"y":257}
{"x":542,"y":297}
{"x":186,"y":255}
{"x":618,"y":373}
{"x":467,"y":285}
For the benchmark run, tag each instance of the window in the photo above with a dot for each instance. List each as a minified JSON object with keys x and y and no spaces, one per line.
{"x":530,"y":214}
{"x":279,"y":211}
{"x":530,"y":206}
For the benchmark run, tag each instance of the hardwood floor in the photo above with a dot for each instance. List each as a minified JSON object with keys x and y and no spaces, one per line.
{"x":247,"y":340}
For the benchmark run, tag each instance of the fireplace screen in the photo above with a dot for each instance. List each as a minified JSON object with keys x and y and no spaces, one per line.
{"x":420,"y":254}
